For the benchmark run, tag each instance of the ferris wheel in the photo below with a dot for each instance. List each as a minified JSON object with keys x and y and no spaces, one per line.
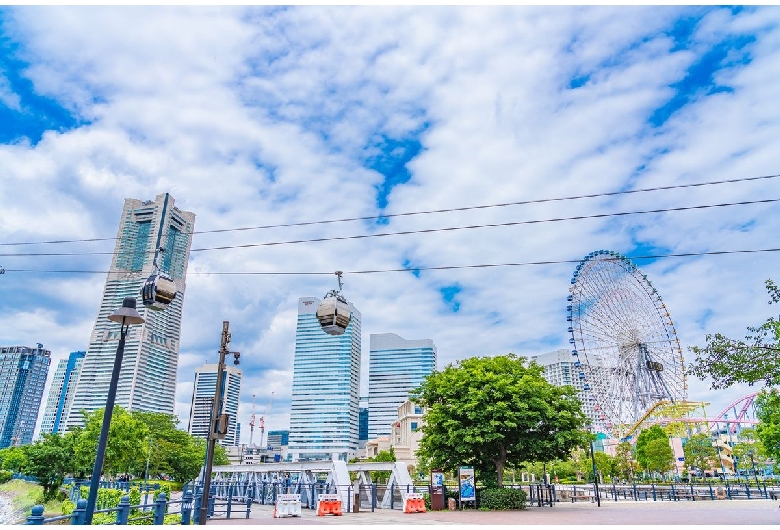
{"x":625,"y":349}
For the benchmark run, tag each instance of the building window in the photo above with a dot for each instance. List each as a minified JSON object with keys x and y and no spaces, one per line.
{"x":414,"y":426}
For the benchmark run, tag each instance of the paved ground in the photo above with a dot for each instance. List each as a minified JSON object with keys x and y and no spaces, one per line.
{"x":735,"y":512}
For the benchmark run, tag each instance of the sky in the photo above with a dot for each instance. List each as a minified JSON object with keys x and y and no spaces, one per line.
{"x":255,"y":116}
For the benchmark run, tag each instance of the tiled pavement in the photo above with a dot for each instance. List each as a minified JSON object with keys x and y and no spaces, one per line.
{"x":735,"y":512}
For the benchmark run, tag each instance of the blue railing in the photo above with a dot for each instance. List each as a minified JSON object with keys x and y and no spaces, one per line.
{"x":155,"y":511}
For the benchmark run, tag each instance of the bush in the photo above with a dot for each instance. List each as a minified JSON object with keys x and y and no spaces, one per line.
{"x":5,"y":476}
{"x":67,"y":507}
{"x":501,"y":499}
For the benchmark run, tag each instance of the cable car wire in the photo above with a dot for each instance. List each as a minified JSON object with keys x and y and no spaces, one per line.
{"x":421,"y":269}
{"x":410,"y":232}
{"x":422,"y":212}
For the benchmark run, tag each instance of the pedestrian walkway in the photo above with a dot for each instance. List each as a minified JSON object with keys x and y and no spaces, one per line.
{"x":735,"y":512}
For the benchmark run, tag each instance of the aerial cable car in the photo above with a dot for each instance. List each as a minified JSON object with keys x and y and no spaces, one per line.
{"x":159,"y":289}
{"x":334,"y":313}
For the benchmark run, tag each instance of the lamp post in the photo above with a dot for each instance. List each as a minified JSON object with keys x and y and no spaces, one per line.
{"x":148,"y":456}
{"x":595,"y":472}
{"x":125,"y":316}
{"x":753,"y":463}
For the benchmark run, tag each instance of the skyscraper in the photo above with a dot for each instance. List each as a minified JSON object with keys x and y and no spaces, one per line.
{"x":23,"y":372}
{"x":203,"y":399}
{"x":326,"y":388}
{"x":559,"y":370}
{"x":61,"y":392}
{"x":147,"y":379}
{"x":396,"y":367}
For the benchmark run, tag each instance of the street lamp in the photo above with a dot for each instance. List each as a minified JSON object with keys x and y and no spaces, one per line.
{"x":125,"y":316}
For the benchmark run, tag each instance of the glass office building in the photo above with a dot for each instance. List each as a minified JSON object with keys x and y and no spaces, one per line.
{"x":203,"y":399}
{"x":61,"y":392}
{"x":326,"y":388}
{"x":396,"y":367}
{"x":23,"y":372}
{"x":147,"y":379}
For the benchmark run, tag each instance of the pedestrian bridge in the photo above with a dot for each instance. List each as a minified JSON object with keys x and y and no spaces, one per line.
{"x":262,"y":482}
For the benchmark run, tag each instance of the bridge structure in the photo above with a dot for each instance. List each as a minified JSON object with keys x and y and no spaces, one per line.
{"x":262,"y":482}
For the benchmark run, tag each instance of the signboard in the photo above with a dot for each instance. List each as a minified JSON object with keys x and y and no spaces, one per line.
{"x":466,"y":484}
{"x":437,"y":478}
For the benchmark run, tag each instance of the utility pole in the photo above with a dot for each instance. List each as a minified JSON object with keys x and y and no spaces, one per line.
{"x":214,"y":432}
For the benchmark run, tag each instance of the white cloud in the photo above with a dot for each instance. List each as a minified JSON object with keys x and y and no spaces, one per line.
{"x":252,"y":117}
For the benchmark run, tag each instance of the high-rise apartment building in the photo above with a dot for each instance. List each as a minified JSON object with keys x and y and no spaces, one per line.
{"x":203,"y":399}
{"x":61,"y":392}
{"x":23,"y":372}
{"x":559,"y":370}
{"x":326,"y":388}
{"x":147,"y":379}
{"x":396,"y":367}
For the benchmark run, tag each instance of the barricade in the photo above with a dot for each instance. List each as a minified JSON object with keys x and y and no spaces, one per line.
{"x":414,"y":503}
{"x":287,"y":505}
{"x":328,"y":504}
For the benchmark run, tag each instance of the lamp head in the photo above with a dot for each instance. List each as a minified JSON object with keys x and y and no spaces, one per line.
{"x":127,"y":313}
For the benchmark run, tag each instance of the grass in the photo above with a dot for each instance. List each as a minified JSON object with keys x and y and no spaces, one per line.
{"x":25,"y":495}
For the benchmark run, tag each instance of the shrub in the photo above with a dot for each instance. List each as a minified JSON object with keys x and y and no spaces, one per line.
{"x":5,"y":476}
{"x":501,"y":499}
{"x":67,"y":507}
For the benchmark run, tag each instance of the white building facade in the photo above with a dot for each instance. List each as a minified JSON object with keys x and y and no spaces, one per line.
{"x":396,"y":367}
{"x":559,"y":370}
{"x":326,"y":388}
{"x":147,"y":380}
{"x":203,"y":399}
{"x":61,"y":392}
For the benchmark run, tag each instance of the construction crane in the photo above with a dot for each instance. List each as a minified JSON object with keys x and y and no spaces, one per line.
{"x":262,"y":419}
{"x":252,"y":422}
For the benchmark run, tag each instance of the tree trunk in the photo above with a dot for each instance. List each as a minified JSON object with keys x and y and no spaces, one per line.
{"x":500,"y":466}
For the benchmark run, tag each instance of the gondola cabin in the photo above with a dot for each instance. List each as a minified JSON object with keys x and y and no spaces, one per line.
{"x":158,"y":291}
{"x":333,"y":314}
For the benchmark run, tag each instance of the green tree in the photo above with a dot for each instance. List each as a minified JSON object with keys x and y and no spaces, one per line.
{"x":606,"y":464}
{"x":624,"y":460}
{"x":749,"y":450}
{"x":768,"y":431}
{"x":125,"y":449}
{"x":752,"y":360}
{"x":493,"y":412}
{"x":14,"y":459}
{"x":659,"y":454}
{"x":700,"y":453}
{"x":645,"y":437}
{"x":48,"y":460}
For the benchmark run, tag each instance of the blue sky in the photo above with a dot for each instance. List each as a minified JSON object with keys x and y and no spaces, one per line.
{"x":254,"y":116}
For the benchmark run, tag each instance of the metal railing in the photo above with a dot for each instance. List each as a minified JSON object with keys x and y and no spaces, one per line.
{"x":125,"y":512}
{"x":666,"y":492}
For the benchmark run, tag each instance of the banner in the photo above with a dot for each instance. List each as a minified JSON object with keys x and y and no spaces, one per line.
{"x":466,"y":484}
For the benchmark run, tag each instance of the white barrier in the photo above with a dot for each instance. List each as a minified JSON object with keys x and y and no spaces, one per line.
{"x":287,"y":505}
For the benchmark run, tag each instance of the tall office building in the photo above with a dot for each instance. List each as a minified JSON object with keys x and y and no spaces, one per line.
{"x":559,"y":370}
{"x":23,"y":374}
{"x":203,"y":399}
{"x":326,"y":388}
{"x":61,"y":392}
{"x":396,"y":367}
{"x":363,"y":422}
{"x":147,"y":379}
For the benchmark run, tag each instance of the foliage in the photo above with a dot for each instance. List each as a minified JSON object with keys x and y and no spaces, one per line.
{"x":659,"y":455}
{"x":124,"y":448}
{"x":14,"y":459}
{"x":501,"y":499}
{"x":68,"y":507}
{"x":768,"y":431}
{"x":752,"y":360}
{"x":646,"y":436}
{"x":381,"y":477}
{"x":749,"y":450}
{"x":493,"y":412}
{"x":5,"y":476}
{"x":700,"y":453}
{"x":48,"y":460}
{"x":624,"y":460}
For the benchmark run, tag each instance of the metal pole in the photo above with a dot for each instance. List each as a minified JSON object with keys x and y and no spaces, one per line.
{"x":146,"y":473}
{"x":595,"y":474}
{"x":94,"y":483}
{"x":755,"y":474}
{"x":215,"y":412}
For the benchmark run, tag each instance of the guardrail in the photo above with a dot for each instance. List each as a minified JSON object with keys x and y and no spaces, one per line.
{"x":672,"y":492}
{"x":125,"y":512}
